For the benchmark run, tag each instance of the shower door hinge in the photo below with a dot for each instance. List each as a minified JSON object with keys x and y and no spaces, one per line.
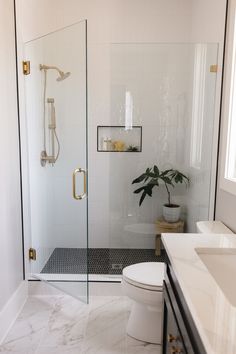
{"x":214,"y":68}
{"x":32,"y":254}
{"x":26,"y":67}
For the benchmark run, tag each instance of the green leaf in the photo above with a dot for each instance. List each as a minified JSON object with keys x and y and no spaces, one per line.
{"x":140,"y":178}
{"x":153,"y":182}
{"x":167,"y":180}
{"x":156,"y":170}
{"x":166,"y":172}
{"x":184,"y":176}
{"x":178,"y":179}
{"x":139,"y":190}
{"x":151,"y":174}
{"x":148,"y":190}
{"x":142,"y":198}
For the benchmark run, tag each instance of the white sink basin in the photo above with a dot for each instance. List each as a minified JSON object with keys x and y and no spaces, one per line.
{"x":221,"y":263}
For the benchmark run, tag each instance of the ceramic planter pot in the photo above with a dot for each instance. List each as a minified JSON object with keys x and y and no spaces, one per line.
{"x":171,"y":212}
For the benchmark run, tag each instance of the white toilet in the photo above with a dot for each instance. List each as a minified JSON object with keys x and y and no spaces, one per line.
{"x":212,"y":227}
{"x":143,"y":283}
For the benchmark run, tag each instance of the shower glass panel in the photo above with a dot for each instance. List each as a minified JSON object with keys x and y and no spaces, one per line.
{"x":56,"y":104}
{"x":168,"y":90}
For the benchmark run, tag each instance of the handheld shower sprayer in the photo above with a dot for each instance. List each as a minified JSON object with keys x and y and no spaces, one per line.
{"x":44,"y":157}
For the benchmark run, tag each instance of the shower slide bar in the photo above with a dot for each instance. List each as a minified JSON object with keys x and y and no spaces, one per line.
{"x":52,"y":128}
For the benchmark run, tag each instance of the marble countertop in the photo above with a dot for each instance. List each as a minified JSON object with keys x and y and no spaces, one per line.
{"x":214,"y":316}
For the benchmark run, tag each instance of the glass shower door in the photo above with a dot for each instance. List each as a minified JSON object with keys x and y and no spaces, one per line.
{"x":56,"y":107}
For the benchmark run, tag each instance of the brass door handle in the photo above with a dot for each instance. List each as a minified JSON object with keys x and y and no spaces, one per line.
{"x":83,"y":195}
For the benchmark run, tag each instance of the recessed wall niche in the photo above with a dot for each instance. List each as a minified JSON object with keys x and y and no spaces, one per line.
{"x":119,"y":139}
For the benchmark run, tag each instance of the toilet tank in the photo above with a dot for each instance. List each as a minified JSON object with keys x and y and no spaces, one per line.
{"x":212,"y":227}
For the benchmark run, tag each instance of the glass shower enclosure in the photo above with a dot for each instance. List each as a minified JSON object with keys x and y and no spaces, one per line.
{"x":56,"y":109}
{"x":150,"y":104}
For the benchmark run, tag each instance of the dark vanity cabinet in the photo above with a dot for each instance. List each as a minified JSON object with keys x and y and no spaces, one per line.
{"x":179,"y":331}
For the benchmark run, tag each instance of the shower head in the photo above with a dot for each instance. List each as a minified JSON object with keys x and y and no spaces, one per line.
{"x":62,"y":76}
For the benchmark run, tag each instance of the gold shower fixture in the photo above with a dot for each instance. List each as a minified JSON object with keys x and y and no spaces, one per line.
{"x":52,"y":157}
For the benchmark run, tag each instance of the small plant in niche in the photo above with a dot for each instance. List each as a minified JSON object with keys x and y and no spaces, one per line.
{"x":132,"y":148}
{"x":153,"y":177}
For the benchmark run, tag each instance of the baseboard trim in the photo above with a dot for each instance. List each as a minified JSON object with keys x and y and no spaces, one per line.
{"x":11,"y":310}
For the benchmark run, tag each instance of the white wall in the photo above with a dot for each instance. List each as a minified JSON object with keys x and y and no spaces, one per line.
{"x":11,"y":258}
{"x":122,"y":22}
{"x":110,"y":21}
{"x":208,"y":20}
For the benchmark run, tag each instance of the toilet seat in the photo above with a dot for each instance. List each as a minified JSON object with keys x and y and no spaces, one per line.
{"x":146,"y":275}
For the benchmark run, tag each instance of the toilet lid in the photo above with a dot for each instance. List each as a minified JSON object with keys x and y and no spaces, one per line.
{"x":148,"y":274}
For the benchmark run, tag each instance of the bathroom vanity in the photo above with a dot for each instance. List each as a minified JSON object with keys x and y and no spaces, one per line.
{"x":199,"y":295}
{"x":179,"y":331}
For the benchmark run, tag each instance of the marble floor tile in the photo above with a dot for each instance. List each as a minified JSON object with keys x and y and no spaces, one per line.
{"x":27,"y":331}
{"x":63,"y":325}
{"x":105,"y":331}
{"x":61,"y":350}
{"x":134,"y":346}
{"x":66,"y":325}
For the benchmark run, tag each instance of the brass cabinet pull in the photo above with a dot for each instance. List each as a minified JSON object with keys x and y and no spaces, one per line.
{"x":83,"y":195}
{"x":171,"y":338}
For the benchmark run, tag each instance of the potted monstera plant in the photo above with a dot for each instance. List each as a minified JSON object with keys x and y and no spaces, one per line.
{"x":153,"y":177}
